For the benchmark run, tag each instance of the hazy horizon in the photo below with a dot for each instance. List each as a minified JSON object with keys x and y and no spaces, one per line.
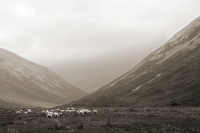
{"x":90,"y":43}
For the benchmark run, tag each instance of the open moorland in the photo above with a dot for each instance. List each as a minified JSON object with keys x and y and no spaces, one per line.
{"x":106,"y":120}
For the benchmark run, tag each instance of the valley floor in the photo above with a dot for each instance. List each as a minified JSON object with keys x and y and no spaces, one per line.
{"x":122,"y":120}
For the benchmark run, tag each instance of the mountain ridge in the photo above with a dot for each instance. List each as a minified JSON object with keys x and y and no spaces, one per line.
{"x":149,"y":83}
{"x":26,"y":83}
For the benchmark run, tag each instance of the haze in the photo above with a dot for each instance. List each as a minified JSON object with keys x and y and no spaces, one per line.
{"x":90,"y":42}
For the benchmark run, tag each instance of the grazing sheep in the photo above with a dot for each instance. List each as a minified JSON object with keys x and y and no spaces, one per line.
{"x":49,"y":115}
{"x":80,"y":112}
{"x":43,"y":112}
{"x":72,"y":108}
{"x":47,"y":111}
{"x":60,"y":114}
{"x":25,"y":112}
{"x":28,"y":110}
{"x":58,"y":110}
{"x":62,"y":111}
{"x":94,"y":111}
{"x":87,"y":111}
{"x":55,"y":114}
{"x":18,"y":112}
{"x":72,"y":111}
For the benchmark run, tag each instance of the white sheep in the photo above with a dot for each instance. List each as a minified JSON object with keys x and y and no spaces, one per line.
{"x":60,"y":114}
{"x":80,"y":112}
{"x":49,"y":115}
{"x":18,"y":112}
{"x":47,"y":111}
{"x":55,"y":114}
{"x":73,"y":110}
{"x":28,"y":110}
{"x":94,"y":111}
{"x":43,"y":112}
{"x":62,"y":111}
{"x":87,"y":111}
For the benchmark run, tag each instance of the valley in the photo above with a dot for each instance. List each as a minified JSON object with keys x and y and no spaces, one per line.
{"x":141,"y":75}
{"x":107,"y":120}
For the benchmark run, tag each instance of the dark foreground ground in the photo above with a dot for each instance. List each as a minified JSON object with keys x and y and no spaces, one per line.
{"x":122,"y":120}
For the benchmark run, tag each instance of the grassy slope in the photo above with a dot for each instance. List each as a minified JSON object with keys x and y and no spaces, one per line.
{"x":179,"y":81}
{"x":26,"y":83}
{"x":4,"y":104}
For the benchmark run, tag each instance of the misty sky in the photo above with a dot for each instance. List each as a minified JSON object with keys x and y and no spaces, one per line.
{"x":90,"y":42}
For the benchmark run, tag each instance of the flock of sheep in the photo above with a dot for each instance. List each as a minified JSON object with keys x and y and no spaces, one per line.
{"x":26,"y":112}
{"x":59,"y":112}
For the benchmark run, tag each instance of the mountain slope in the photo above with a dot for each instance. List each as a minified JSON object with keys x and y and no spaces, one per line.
{"x":28,"y":84}
{"x":168,"y":76}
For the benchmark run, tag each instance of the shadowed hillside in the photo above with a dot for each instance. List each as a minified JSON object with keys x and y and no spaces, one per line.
{"x":168,"y":76}
{"x":28,"y":84}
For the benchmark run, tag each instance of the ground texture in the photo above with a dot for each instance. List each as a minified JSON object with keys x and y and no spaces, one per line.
{"x":107,"y":120}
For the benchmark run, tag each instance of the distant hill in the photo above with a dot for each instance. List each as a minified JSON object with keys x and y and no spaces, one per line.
{"x":4,"y":104}
{"x":168,"y":76}
{"x":24,"y":83}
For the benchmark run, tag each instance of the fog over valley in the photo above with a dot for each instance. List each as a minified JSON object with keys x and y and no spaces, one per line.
{"x":90,"y":43}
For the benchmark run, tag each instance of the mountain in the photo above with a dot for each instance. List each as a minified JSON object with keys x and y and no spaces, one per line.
{"x":168,"y":76}
{"x":24,"y":83}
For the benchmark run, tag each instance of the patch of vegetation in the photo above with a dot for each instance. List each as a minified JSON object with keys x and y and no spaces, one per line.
{"x":109,"y":120}
{"x":12,"y":130}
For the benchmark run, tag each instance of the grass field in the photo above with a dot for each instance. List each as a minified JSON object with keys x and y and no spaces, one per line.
{"x":107,"y":120}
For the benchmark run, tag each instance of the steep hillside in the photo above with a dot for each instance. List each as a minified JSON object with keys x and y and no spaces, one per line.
{"x":168,"y":76}
{"x":28,"y":84}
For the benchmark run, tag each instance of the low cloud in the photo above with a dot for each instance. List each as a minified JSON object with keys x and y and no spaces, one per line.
{"x":74,"y":31}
